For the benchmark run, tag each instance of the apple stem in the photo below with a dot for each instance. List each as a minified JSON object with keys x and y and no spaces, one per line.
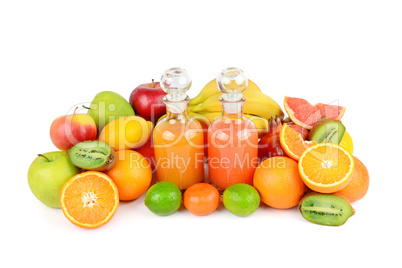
{"x":83,"y":106}
{"x":75,"y":110}
{"x":44,"y":157}
{"x":153,"y":83}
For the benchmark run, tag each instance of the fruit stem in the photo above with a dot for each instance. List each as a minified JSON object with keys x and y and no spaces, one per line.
{"x":83,"y":106}
{"x":153,"y":83}
{"x":44,"y":157}
{"x":75,"y":110}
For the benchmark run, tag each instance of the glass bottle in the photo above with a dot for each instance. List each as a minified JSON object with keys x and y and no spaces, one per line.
{"x":232,"y":139}
{"x":178,"y":139}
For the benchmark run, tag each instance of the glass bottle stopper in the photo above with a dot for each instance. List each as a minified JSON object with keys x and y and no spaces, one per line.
{"x":232,"y":82}
{"x":175,"y":82}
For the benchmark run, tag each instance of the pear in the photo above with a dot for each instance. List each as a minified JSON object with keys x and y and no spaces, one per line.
{"x":108,"y":106}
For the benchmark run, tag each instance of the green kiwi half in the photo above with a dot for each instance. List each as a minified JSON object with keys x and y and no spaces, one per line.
{"x":327,"y":130}
{"x":92,"y":155}
{"x":326,"y":209}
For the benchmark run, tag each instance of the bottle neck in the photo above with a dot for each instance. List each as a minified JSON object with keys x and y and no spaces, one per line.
{"x":233,"y":109}
{"x":176,"y":109}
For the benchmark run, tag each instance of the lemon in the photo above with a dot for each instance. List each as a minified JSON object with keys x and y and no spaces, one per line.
{"x":347,"y":142}
{"x":127,"y":132}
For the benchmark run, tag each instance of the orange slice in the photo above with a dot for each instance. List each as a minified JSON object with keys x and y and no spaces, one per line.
{"x":89,"y":199}
{"x":326,"y":167}
{"x":292,"y":142}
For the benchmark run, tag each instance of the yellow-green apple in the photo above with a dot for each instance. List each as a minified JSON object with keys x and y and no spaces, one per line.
{"x":146,"y":100}
{"x":68,"y":130}
{"x":47,"y":174}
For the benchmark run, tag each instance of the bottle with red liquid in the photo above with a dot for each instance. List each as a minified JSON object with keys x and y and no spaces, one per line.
{"x":232,"y":139}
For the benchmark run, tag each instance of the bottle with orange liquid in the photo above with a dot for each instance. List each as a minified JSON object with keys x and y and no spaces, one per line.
{"x":178,"y":139}
{"x":232,"y":139}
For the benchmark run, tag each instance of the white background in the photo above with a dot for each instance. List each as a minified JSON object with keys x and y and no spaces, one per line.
{"x":56,"y":54}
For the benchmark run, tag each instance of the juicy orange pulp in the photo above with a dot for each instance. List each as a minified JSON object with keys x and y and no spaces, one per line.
{"x":293,"y":143}
{"x":326,"y":167}
{"x":89,"y":199}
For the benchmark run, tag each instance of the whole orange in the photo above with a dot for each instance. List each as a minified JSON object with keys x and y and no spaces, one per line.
{"x":358,"y":184}
{"x":278,"y":181}
{"x":131,"y":173}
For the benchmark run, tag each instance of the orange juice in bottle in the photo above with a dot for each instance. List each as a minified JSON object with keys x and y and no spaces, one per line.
{"x":178,"y":139}
{"x":232,"y":139}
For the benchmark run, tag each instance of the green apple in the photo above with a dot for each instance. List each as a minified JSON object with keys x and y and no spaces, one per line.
{"x":108,"y":106}
{"x":47,"y":174}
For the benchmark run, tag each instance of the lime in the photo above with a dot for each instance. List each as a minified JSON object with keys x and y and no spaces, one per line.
{"x":241,"y":199}
{"x":163,"y":198}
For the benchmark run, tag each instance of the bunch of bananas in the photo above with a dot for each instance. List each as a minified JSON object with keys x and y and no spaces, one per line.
{"x":258,"y":107}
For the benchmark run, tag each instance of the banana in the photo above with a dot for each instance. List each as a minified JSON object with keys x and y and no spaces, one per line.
{"x":211,"y":89}
{"x":257,"y":103}
{"x":207,"y":91}
{"x":207,"y":118}
{"x":260,"y":123}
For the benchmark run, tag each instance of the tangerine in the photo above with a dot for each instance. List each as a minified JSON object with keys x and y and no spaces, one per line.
{"x":201,"y":199}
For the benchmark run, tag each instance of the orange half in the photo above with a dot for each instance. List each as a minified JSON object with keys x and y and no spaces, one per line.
{"x":326,"y":167}
{"x":292,"y":142}
{"x":89,"y":199}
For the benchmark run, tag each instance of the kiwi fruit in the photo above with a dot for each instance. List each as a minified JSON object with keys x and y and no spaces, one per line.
{"x":327,"y":130}
{"x":326,"y":209}
{"x":92,"y":155}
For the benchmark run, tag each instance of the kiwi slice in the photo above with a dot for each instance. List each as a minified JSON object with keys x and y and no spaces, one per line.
{"x":326,"y":209}
{"x":92,"y":155}
{"x":327,"y":130}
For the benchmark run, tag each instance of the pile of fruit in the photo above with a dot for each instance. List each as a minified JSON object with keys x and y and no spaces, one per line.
{"x":106,"y":156}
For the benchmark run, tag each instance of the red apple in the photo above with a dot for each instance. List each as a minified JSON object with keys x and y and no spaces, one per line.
{"x":68,"y":130}
{"x":147,"y":150}
{"x":146,"y":100}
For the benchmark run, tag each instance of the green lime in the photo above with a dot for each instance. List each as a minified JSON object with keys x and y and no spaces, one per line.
{"x":241,"y":199}
{"x":163,"y":198}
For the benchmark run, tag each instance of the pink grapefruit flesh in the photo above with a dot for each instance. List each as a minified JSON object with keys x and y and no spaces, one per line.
{"x":302,"y":113}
